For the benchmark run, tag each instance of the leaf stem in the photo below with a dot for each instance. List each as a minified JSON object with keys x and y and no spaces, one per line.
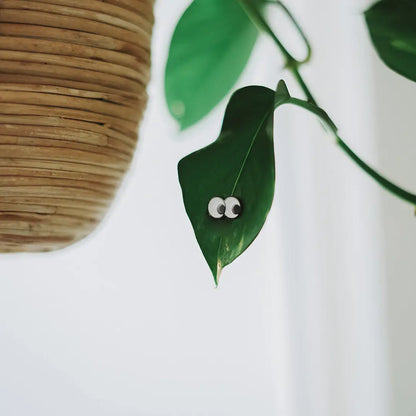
{"x":299,"y":29}
{"x":385,"y":183}
{"x":257,"y":18}
{"x":298,"y":77}
{"x":291,"y":63}
{"x":293,"y":66}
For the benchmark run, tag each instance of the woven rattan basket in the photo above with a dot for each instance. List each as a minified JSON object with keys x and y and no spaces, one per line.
{"x":73,"y":77}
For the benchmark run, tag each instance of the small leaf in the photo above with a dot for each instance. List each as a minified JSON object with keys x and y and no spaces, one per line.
{"x":240,"y":163}
{"x":209,"y":50}
{"x":392,"y":26}
{"x":282,"y":94}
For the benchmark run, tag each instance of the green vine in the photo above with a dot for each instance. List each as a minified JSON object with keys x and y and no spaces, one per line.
{"x":244,"y":150}
{"x":293,"y":65}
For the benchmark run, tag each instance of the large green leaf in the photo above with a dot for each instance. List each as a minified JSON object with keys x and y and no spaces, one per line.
{"x":210,"y":48}
{"x":239,"y":163}
{"x":392,"y":25}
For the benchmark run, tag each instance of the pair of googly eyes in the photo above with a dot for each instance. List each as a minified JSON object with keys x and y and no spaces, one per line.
{"x":230,"y":207}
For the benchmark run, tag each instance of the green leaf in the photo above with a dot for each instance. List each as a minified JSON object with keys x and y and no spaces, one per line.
{"x":282,"y":94}
{"x":210,"y":48}
{"x":239,"y":163}
{"x":392,"y":26}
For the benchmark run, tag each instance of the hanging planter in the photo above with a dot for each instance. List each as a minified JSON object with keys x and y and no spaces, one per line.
{"x":73,"y":77}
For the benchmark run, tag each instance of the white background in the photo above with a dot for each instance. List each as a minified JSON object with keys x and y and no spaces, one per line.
{"x":315,"y":319}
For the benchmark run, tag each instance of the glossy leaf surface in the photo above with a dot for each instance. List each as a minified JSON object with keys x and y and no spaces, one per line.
{"x":239,"y":163}
{"x":209,"y":50}
{"x":392,"y":25}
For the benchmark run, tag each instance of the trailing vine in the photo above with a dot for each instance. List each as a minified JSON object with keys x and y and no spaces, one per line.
{"x":228,"y":186}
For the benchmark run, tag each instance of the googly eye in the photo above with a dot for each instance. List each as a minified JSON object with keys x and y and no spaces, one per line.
{"x":216,"y":207}
{"x":232,"y":207}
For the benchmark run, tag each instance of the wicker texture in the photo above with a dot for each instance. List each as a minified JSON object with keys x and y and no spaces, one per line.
{"x":73,"y":77}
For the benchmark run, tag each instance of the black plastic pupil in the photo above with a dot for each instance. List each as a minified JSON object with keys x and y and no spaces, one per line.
{"x":221,"y":209}
{"x":236,"y":209}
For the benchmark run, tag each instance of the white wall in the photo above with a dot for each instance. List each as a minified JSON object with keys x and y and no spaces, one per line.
{"x":129,"y":322}
{"x":395,"y":112}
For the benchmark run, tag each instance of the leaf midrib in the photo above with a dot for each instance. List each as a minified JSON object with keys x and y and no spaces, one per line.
{"x":266,"y":116}
{"x":256,"y":134}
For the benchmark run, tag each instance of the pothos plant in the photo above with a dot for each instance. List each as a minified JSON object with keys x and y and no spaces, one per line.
{"x":228,"y":186}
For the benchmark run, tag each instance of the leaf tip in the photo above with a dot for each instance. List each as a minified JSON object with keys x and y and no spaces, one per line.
{"x":183,"y":125}
{"x":282,"y":89}
{"x":177,"y":111}
{"x":282,"y":93}
{"x":216,"y":272}
{"x":282,"y":85}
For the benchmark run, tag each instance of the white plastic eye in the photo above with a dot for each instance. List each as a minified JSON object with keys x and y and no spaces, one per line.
{"x":216,"y":207}
{"x":232,"y":207}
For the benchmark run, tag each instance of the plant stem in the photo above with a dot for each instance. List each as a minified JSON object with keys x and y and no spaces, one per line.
{"x":298,"y":77}
{"x":293,"y":66}
{"x":384,"y":182}
{"x":299,"y":29}
{"x":256,"y":17}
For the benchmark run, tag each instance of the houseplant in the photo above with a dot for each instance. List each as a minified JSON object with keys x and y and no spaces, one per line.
{"x":210,"y":47}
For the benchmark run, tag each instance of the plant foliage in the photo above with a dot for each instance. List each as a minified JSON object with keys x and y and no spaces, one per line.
{"x":392,"y":26}
{"x":210,"y":48}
